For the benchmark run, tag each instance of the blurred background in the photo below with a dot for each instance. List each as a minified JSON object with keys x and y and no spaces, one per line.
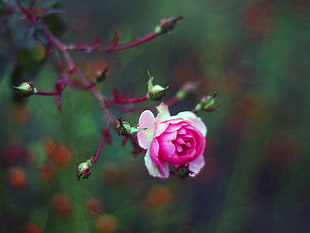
{"x":255,"y":53}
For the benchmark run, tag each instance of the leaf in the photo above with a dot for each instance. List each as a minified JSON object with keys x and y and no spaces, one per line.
{"x":58,"y":101}
{"x":115,"y":39}
{"x":96,"y":44}
{"x":115,"y":93}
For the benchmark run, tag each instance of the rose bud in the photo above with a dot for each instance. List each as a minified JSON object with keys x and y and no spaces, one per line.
{"x":155,"y":92}
{"x":83,"y":169}
{"x":167,"y":24}
{"x":25,"y":89}
{"x":207,"y":103}
{"x":101,"y":75}
{"x":172,"y":140}
{"x":183,"y":171}
{"x":187,"y":88}
{"x":123,"y":128}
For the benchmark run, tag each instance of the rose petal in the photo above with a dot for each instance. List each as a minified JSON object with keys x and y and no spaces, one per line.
{"x":199,"y":142}
{"x":166,"y":150}
{"x":197,"y":122}
{"x":180,"y":141}
{"x":160,"y":128}
{"x":154,"y":169}
{"x":173,"y":127}
{"x":167,"y":137}
{"x":163,"y":112}
{"x":179,"y":148}
{"x":147,"y":121}
{"x":188,"y":144}
{"x":196,"y":165}
{"x":154,"y":153}
{"x":182,"y":131}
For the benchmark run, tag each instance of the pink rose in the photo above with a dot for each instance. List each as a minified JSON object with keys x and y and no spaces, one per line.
{"x":177,"y":140}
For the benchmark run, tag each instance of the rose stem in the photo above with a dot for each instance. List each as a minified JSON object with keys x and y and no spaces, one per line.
{"x":99,"y":149}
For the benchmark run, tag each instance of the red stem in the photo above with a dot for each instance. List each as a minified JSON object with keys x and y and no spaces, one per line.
{"x":70,"y":62}
{"x":112,"y":48}
{"x":61,"y":47}
{"x":99,"y":149}
{"x":47,"y":93}
{"x":172,"y":100}
{"x":130,"y":101}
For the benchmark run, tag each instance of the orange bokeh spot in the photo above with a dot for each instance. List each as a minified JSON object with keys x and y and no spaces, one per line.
{"x":92,"y":67}
{"x":106,"y":224}
{"x":158,"y":196}
{"x":58,"y":153}
{"x":17,"y":177}
{"x":47,"y":173}
{"x":93,"y":205}
{"x":62,"y":205}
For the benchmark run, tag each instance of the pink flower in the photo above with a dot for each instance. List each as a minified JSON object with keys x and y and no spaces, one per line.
{"x":177,"y":140}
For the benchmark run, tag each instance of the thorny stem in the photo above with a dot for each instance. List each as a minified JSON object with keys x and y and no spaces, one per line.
{"x":71,"y":64}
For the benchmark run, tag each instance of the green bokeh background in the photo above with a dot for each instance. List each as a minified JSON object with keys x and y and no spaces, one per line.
{"x":256,"y":179}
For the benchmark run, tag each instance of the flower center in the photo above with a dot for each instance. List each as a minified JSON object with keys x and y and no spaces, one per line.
{"x":183,"y":144}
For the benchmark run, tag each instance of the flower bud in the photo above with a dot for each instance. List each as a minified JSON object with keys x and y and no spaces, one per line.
{"x":186,"y":89}
{"x":25,"y":89}
{"x":167,"y":24}
{"x":155,"y":92}
{"x":183,"y":171}
{"x":101,"y":75}
{"x":83,"y":169}
{"x":123,"y":128}
{"x":207,"y":103}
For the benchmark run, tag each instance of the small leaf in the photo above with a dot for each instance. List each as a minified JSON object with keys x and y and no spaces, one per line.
{"x":96,"y":44}
{"x":115,"y":93}
{"x":115,"y":39}
{"x":58,"y":101}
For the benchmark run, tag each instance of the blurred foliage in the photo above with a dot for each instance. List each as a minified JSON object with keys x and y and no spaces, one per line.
{"x":255,"y":53}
